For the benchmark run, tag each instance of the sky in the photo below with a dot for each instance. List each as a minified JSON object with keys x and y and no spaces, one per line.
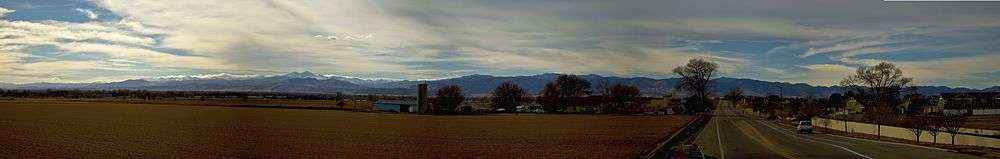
{"x":803,"y":41}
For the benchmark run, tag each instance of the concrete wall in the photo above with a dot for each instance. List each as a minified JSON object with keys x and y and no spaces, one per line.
{"x":974,"y":111}
{"x":904,"y":133}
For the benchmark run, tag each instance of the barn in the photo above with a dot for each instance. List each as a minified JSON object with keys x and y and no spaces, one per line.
{"x":396,"y":106}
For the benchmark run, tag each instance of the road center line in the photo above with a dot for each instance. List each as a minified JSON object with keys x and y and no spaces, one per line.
{"x":811,"y":140}
{"x":718,"y":135}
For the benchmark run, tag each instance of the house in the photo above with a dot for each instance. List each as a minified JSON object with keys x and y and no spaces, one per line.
{"x":661,"y":105}
{"x":935,"y":104}
{"x":972,"y":103}
{"x":853,"y":106}
{"x":396,"y":106}
{"x":917,"y":104}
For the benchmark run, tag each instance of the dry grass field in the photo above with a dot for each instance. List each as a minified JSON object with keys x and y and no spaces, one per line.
{"x":60,"y":129}
{"x":990,"y":122}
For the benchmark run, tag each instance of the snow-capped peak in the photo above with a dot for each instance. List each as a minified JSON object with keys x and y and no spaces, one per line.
{"x":218,"y":76}
{"x":305,"y":74}
{"x":362,"y":81}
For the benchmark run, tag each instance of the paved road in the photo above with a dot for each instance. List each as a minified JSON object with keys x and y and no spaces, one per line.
{"x":728,"y":135}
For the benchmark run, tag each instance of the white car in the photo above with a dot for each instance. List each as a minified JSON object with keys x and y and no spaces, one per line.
{"x":804,"y":127}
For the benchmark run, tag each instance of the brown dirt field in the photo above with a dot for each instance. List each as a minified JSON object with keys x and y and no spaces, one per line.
{"x":60,"y":129}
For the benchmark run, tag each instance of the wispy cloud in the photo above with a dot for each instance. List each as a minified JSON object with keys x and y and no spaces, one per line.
{"x":87,"y":12}
{"x":108,"y":48}
{"x":5,"y":11}
{"x":853,"y":45}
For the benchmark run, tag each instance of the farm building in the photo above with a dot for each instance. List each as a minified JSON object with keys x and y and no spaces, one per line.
{"x":396,"y":106}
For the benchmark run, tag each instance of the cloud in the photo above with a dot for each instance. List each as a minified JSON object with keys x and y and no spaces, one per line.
{"x":815,"y":74}
{"x":87,"y":12}
{"x":852,"y":45}
{"x":84,"y":52}
{"x":48,"y":32}
{"x":5,"y":11}
{"x":954,"y":71}
{"x":871,"y":50}
{"x":156,"y":58}
{"x":740,"y":28}
{"x":278,"y":36}
{"x":826,"y":74}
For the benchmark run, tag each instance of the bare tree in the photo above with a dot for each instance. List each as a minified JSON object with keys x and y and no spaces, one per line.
{"x":448,"y":98}
{"x":571,"y":86}
{"x":879,"y":85}
{"x":622,"y":99}
{"x":878,"y":88}
{"x":879,"y":116}
{"x":934,"y":127}
{"x":735,"y":96}
{"x":810,"y":107}
{"x":916,"y":125}
{"x":549,"y":98}
{"x":696,"y":78}
{"x":605,"y":89}
{"x":508,"y":96}
{"x":340,"y":99}
{"x":604,"y":86}
{"x":952,"y":124}
{"x":772,"y":103}
{"x":843,"y":118}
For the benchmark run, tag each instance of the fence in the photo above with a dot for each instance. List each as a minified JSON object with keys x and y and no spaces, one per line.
{"x":974,"y":111}
{"x":905,"y":133}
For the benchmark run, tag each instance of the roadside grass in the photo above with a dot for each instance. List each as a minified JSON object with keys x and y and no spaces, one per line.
{"x":125,"y":130}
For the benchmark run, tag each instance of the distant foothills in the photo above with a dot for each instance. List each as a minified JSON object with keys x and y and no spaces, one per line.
{"x":475,"y":85}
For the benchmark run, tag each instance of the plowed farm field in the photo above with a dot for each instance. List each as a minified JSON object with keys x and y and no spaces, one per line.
{"x":62,"y":129}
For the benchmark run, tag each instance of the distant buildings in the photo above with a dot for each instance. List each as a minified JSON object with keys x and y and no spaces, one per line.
{"x":917,"y":104}
{"x":662,"y":105}
{"x":971,"y":103}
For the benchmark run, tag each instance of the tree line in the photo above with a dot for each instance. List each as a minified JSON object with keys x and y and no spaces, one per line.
{"x":569,"y":90}
{"x":556,"y":97}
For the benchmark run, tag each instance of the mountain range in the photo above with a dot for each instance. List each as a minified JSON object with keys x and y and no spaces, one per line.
{"x":475,"y":85}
